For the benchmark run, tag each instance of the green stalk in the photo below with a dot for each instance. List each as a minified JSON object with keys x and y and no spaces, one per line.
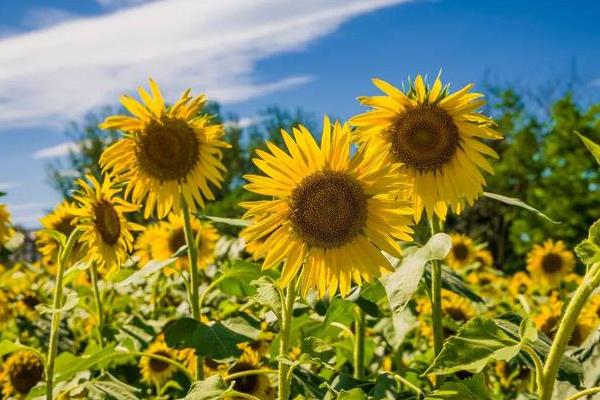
{"x":436,"y":300}
{"x":284,"y":343}
{"x":98,"y":301}
{"x":194,"y":276}
{"x":63,"y":258}
{"x":360,"y":329}
{"x":565,"y":330}
{"x":585,"y":393}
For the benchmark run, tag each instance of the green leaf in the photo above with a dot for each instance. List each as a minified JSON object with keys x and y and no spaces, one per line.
{"x":353,"y":394}
{"x":237,"y":277}
{"x":528,"y":330}
{"x":453,"y":282}
{"x":212,"y":388}
{"x":139,"y":276}
{"x":114,"y":388}
{"x":513,"y":201}
{"x":60,"y":237}
{"x":477,"y":343}
{"x":215,"y":340}
{"x":227,"y":221}
{"x":401,"y":284}
{"x":317,"y":350}
{"x":70,"y":302}
{"x":592,"y":146}
{"x":67,"y":364}
{"x":268,"y":294}
{"x":587,"y":252}
{"x":469,"y":389}
{"x":396,"y":329}
{"x":7,"y":347}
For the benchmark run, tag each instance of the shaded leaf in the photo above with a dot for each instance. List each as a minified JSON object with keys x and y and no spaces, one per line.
{"x":71,"y":302}
{"x":317,"y":350}
{"x":453,"y":282}
{"x":513,"y":201}
{"x":227,"y":221}
{"x":469,"y":389}
{"x":267,"y":294}
{"x":353,"y":394}
{"x":212,"y":388}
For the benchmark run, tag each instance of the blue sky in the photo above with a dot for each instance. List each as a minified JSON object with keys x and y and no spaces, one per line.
{"x":59,"y":59}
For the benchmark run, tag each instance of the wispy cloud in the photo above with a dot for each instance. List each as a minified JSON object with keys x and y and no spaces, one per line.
{"x":43,"y":17}
{"x":115,"y":4}
{"x":59,"y":73}
{"x":60,"y":150}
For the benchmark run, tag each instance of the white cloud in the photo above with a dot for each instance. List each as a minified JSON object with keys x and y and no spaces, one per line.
{"x":43,"y":17}
{"x":59,"y":150}
{"x":59,"y":73}
{"x":113,"y":4}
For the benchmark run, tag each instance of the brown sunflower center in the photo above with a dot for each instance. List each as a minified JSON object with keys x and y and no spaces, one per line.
{"x":328,"y":209}
{"x":424,"y":137}
{"x":64,"y":225}
{"x":30,"y":300}
{"x":552,"y":262}
{"x":247,"y":384}
{"x":456,"y":314}
{"x":460,"y":251}
{"x":167,"y":149}
{"x":107,"y":222}
{"x":157,"y":365}
{"x":24,"y":376}
{"x":176,"y":240}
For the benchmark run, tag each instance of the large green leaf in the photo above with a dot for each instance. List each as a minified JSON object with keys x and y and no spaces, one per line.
{"x":67,"y":364}
{"x":588,"y":250}
{"x":477,"y":343}
{"x":469,"y":389}
{"x":513,"y":201}
{"x":214,"y":340}
{"x":212,"y":388}
{"x":140,"y":276}
{"x":316,"y":350}
{"x":352,"y":394}
{"x":237,"y":277}
{"x":452,"y":282}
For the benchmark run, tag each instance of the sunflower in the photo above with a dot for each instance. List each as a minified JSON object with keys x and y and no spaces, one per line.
{"x":156,"y":371}
{"x":26,"y":303}
{"x":520,"y":283}
{"x":6,"y":230}
{"x":590,"y":315}
{"x":106,"y":237}
{"x":172,"y":238}
{"x":145,"y":243}
{"x":456,"y":311}
{"x":61,"y":220}
{"x":166,"y":150}
{"x":258,"y":386}
{"x":329,"y":210}
{"x":434,"y":135}
{"x":5,"y":311}
{"x":463,"y":252}
{"x":485,"y":280}
{"x":512,"y":374}
{"x":550,"y":262}
{"x":188,"y":358}
{"x":21,"y":371}
{"x":549,"y":315}
{"x":484,"y":258}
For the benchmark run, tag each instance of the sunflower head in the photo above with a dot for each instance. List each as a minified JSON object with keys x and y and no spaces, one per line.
{"x":484,"y":258}
{"x":462,"y":253}
{"x":256,"y":385}
{"x":548,"y":316}
{"x":106,"y":238}
{"x":520,"y":283}
{"x":21,"y":371}
{"x":166,"y":151}
{"x":550,"y":262}
{"x":6,"y":230}
{"x":154,"y":370}
{"x":145,"y":243}
{"x":327,"y":209}
{"x":434,"y":136}
{"x":456,"y":311}
{"x":61,"y":220}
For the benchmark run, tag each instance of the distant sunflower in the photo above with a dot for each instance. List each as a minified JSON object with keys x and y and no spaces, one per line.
{"x":5,"y":311}
{"x":6,"y":230}
{"x":548,"y":316}
{"x":106,"y":237}
{"x":61,"y":220}
{"x":485,"y":279}
{"x":463,"y":252}
{"x":156,"y":371}
{"x":512,"y":374}
{"x":258,"y":386}
{"x":166,"y":150}
{"x":327,"y":210}
{"x":434,"y":135}
{"x":21,"y":371}
{"x":26,"y":303}
{"x":484,"y":258}
{"x":188,"y":358}
{"x":456,"y":311}
{"x":520,"y":283}
{"x":146,"y":242}
{"x":590,"y":315}
{"x":550,"y":262}
{"x":172,"y":238}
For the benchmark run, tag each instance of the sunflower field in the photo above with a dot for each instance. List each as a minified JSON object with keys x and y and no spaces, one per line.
{"x":360,"y":259}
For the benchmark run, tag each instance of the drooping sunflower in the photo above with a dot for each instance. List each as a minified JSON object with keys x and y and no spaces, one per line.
{"x":520,"y":283}
{"x":145,"y":244}
{"x":550,"y":262}
{"x":155,"y":371}
{"x":434,"y":135}
{"x":330,"y":211}
{"x":6,"y":230}
{"x":166,"y":150}
{"x":258,"y":386}
{"x":172,"y":238}
{"x":106,"y":238}
{"x":463,"y":252}
{"x":61,"y":220}
{"x":21,"y":371}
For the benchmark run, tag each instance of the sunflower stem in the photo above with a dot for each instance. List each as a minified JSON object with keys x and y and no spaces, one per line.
{"x":284,"y":343}
{"x":565,"y":330}
{"x":436,"y":299}
{"x":585,"y":393}
{"x":194,"y":297}
{"x":63,"y":258}
{"x":360,"y":329}
{"x":98,"y":301}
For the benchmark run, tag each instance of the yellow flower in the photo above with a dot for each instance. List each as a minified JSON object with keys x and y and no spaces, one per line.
{"x":6,"y":230}
{"x":328,"y":210}
{"x":590,"y":315}
{"x":106,"y":236}
{"x":172,"y":238}
{"x":435,"y":136}
{"x":258,"y":386}
{"x":146,"y":242}
{"x":25,"y":305}
{"x":156,"y":371}
{"x":21,"y":371}
{"x":463,"y":252}
{"x":166,"y":150}
{"x":188,"y":358}
{"x":512,"y":374}
{"x":60,"y":219}
{"x":5,"y":314}
{"x":520,"y":283}
{"x":485,"y":280}
{"x":550,"y":262}
{"x":549,"y":315}
{"x":456,"y":311}
{"x":484,"y":258}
